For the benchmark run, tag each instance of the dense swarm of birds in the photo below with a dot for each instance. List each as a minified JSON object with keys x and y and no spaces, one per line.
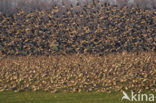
{"x":93,"y":28}
{"x":28,"y":41}
{"x":76,"y":73}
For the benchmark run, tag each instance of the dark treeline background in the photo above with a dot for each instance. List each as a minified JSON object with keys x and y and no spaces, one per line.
{"x":11,"y":6}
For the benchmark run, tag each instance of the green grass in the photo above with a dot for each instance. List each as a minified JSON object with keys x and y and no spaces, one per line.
{"x":45,"y":97}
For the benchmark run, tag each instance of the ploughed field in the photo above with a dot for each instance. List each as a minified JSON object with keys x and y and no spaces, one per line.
{"x":94,"y":47}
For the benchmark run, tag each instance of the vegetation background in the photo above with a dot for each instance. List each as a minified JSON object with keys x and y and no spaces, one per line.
{"x":10,"y":6}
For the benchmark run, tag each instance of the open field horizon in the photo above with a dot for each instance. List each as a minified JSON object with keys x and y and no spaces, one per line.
{"x":60,"y":97}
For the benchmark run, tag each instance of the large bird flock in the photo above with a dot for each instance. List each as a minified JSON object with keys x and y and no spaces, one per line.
{"x":112,"y":49}
{"x":77,"y":73}
{"x":92,"y":28}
